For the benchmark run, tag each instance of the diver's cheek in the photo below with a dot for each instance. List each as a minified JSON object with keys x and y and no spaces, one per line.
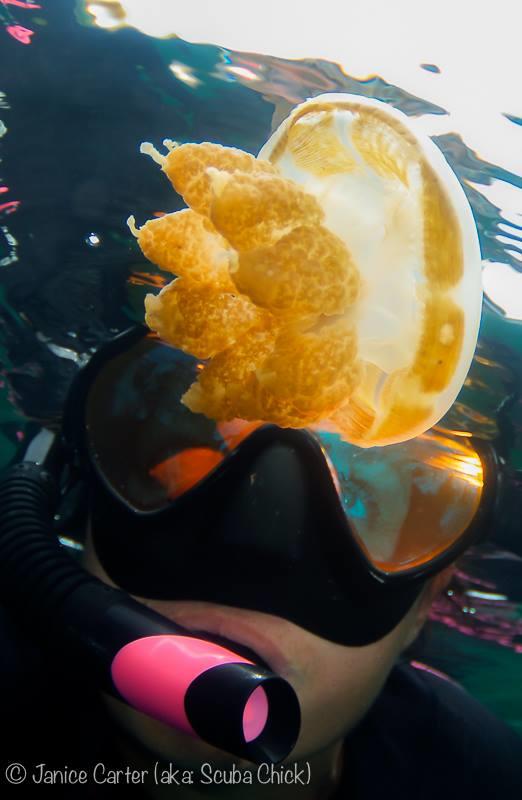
{"x":329,"y":710}
{"x":337,"y":685}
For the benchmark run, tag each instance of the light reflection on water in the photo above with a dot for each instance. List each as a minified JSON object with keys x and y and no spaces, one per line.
{"x":71,"y":276}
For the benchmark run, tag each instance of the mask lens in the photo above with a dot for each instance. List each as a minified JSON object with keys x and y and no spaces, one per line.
{"x":145,"y":443}
{"x":409,"y":502}
{"x":406,"y":503}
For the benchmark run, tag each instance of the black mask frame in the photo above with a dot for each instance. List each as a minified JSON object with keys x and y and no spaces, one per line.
{"x":265,"y":530}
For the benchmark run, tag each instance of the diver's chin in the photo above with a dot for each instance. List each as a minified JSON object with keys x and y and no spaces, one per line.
{"x":145,"y":741}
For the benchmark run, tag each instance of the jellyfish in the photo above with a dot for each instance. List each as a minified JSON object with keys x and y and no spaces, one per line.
{"x":334,"y":280}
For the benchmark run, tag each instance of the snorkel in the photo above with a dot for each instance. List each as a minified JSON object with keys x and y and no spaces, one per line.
{"x":192,"y":684}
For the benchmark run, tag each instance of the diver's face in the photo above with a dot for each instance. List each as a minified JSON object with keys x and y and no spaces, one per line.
{"x":336,"y":685}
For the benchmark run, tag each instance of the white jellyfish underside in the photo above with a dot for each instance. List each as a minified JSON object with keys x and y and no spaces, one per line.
{"x":334,"y":280}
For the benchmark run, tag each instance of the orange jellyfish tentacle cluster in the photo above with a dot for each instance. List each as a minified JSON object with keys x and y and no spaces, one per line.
{"x":263,"y":289}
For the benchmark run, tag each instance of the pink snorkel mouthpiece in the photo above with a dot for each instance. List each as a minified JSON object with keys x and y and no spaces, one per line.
{"x":206,"y":690}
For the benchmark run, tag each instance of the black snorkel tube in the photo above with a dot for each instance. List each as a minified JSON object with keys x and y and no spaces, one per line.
{"x":157,"y":667}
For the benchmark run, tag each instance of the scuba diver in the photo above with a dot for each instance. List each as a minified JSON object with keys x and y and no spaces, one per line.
{"x":191,"y":609}
{"x":236,"y":620}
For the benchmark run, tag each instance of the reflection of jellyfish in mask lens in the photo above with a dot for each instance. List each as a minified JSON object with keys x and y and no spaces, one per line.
{"x":407,"y":502}
{"x":334,"y":279}
{"x":375,"y":489}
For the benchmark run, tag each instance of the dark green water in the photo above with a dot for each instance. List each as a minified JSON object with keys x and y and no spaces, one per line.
{"x":77,"y":103}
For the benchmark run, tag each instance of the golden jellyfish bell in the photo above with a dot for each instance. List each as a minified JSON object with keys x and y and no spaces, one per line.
{"x":392,"y":198}
{"x":344,"y":263}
